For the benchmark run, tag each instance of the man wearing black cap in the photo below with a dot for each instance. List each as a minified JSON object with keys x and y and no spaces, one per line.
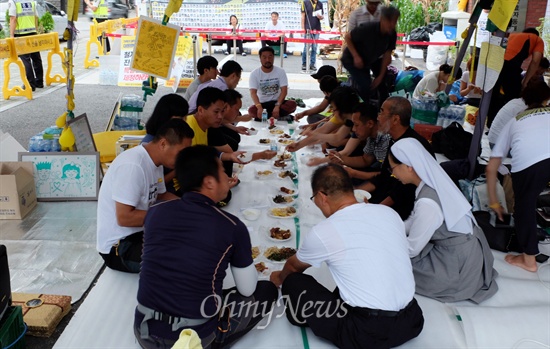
{"x":314,"y":113}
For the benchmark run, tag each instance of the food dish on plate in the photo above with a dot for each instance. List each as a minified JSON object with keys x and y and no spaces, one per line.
{"x":282,"y":199}
{"x":252,"y":131}
{"x":276,"y":254}
{"x":285,"y":141}
{"x":264,"y":141}
{"x":285,"y":135}
{"x":255,"y":252}
{"x":284,"y":156}
{"x":290,"y":191}
{"x":280,"y":164}
{"x":283,"y":212}
{"x":276,"y":131}
{"x":261,"y":267}
{"x":279,"y":234}
{"x":287,"y":174}
{"x":245,"y":157}
{"x":264,"y":174}
{"x":361,"y":195}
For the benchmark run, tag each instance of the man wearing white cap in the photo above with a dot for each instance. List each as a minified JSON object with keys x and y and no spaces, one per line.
{"x":368,"y":13}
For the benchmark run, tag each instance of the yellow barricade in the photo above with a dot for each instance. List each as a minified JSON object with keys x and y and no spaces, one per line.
{"x":97,"y":30}
{"x":12,"y":47}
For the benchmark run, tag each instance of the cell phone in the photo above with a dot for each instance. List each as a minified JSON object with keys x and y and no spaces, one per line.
{"x":541,"y":258}
{"x":506,"y":217}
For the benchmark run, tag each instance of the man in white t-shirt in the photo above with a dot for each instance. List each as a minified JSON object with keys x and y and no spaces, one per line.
{"x":134,"y":182}
{"x":275,"y":24}
{"x":366,"y":251}
{"x":268,"y":89}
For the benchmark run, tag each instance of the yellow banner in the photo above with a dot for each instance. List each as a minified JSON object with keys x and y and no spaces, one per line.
{"x":35,"y":43}
{"x":127,"y":76}
{"x":502,"y":12}
{"x":155,"y":47}
{"x":5,"y":49}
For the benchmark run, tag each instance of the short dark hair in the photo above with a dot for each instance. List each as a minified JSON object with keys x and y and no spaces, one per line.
{"x":345,"y":99}
{"x":328,"y":83}
{"x":231,"y":67}
{"x":195,"y":163}
{"x":531,"y":30}
{"x":367,"y":112}
{"x":206,"y":62}
{"x":266,"y":49}
{"x":232,"y":96}
{"x":458,"y":73}
{"x":447,"y":69}
{"x":174,"y":131}
{"x":275,"y":13}
{"x":331,"y":179}
{"x":536,"y":92}
{"x":390,"y":12}
{"x":168,"y":106}
{"x":402,"y":107}
{"x":208,"y":96}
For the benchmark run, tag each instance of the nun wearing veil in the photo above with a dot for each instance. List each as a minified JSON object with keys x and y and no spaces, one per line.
{"x":451,"y":258}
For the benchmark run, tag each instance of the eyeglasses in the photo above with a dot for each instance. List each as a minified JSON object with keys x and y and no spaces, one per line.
{"x":313,"y":196}
{"x":390,"y":170}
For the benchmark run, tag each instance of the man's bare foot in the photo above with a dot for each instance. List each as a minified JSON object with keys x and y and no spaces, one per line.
{"x":523,"y":261}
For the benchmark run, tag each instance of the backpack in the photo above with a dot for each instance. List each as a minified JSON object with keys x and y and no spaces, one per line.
{"x":453,"y":141}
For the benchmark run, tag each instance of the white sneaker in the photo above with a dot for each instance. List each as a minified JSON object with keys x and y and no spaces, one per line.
{"x":225,"y":53}
{"x":243,"y":54}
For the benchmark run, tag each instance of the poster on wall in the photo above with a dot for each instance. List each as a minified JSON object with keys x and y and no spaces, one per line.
{"x":155,"y":47}
{"x":65,"y":175}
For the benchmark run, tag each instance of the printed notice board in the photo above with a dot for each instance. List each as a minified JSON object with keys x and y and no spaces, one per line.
{"x":155,"y":47}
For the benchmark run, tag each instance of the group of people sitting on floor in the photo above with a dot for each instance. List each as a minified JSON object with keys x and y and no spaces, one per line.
{"x":160,"y":214}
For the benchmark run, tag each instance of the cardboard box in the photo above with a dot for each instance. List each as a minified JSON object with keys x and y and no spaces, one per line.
{"x":17,"y":189}
{"x":42,"y":312}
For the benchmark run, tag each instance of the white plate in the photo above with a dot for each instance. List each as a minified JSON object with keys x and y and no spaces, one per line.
{"x":287,"y":166}
{"x":279,"y":191}
{"x":252,"y":131}
{"x":271,"y":212}
{"x":276,"y":131}
{"x":361,"y":194}
{"x":260,"y":174}
{"x":269,"y":139}
{"x":246,"y":156}
{"x":286,"y":203}
{"x":281,"y":172}
{"x":251,"y":214}
{"x":285,"y":141}
{"x":267,"y":232}
{"x":264,"y":275}
{"x":287,"y":156}
{"x":272,"y":261}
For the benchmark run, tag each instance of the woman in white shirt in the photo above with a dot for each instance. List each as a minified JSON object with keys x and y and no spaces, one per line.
{"x":234,"y":27}
{"x":451,"y":258}
{"x":433,"y":82}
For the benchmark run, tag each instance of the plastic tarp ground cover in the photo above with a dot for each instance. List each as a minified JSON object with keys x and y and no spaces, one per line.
{"x":521,"y":295}
{"x":52,"y":250}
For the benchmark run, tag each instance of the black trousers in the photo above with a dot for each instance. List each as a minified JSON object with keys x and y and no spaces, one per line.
{"x":126,"y":256}
{"x":238,"y":44}
{"x":33,"y":67}
{"x":347,"y":327}
{"x":528,"y":184}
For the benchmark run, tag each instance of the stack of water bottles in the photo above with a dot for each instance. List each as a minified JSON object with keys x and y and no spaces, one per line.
{"x":424,"y":111}
{"x":46,"y":141}
{"x":131,"y":107}
{"x":450,"y":114}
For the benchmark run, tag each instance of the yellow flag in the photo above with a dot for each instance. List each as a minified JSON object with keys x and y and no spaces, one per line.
{"x":173,"y":7}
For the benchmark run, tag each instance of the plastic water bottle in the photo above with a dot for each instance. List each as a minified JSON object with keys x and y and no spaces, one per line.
{"x":273,"y":146}
{"x":264,"y":118}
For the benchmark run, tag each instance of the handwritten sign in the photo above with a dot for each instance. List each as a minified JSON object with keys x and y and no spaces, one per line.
{"x":84,"y":141}
{"x":183,"y":65}
{"x":155,"y":47}
{"x":127,"y":76}
{"x":502,"y":12}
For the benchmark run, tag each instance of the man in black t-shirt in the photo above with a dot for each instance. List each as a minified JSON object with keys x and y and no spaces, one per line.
{"x":369,"y":47}
{"x":312,"y":14}
{"x":394,"y":119}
